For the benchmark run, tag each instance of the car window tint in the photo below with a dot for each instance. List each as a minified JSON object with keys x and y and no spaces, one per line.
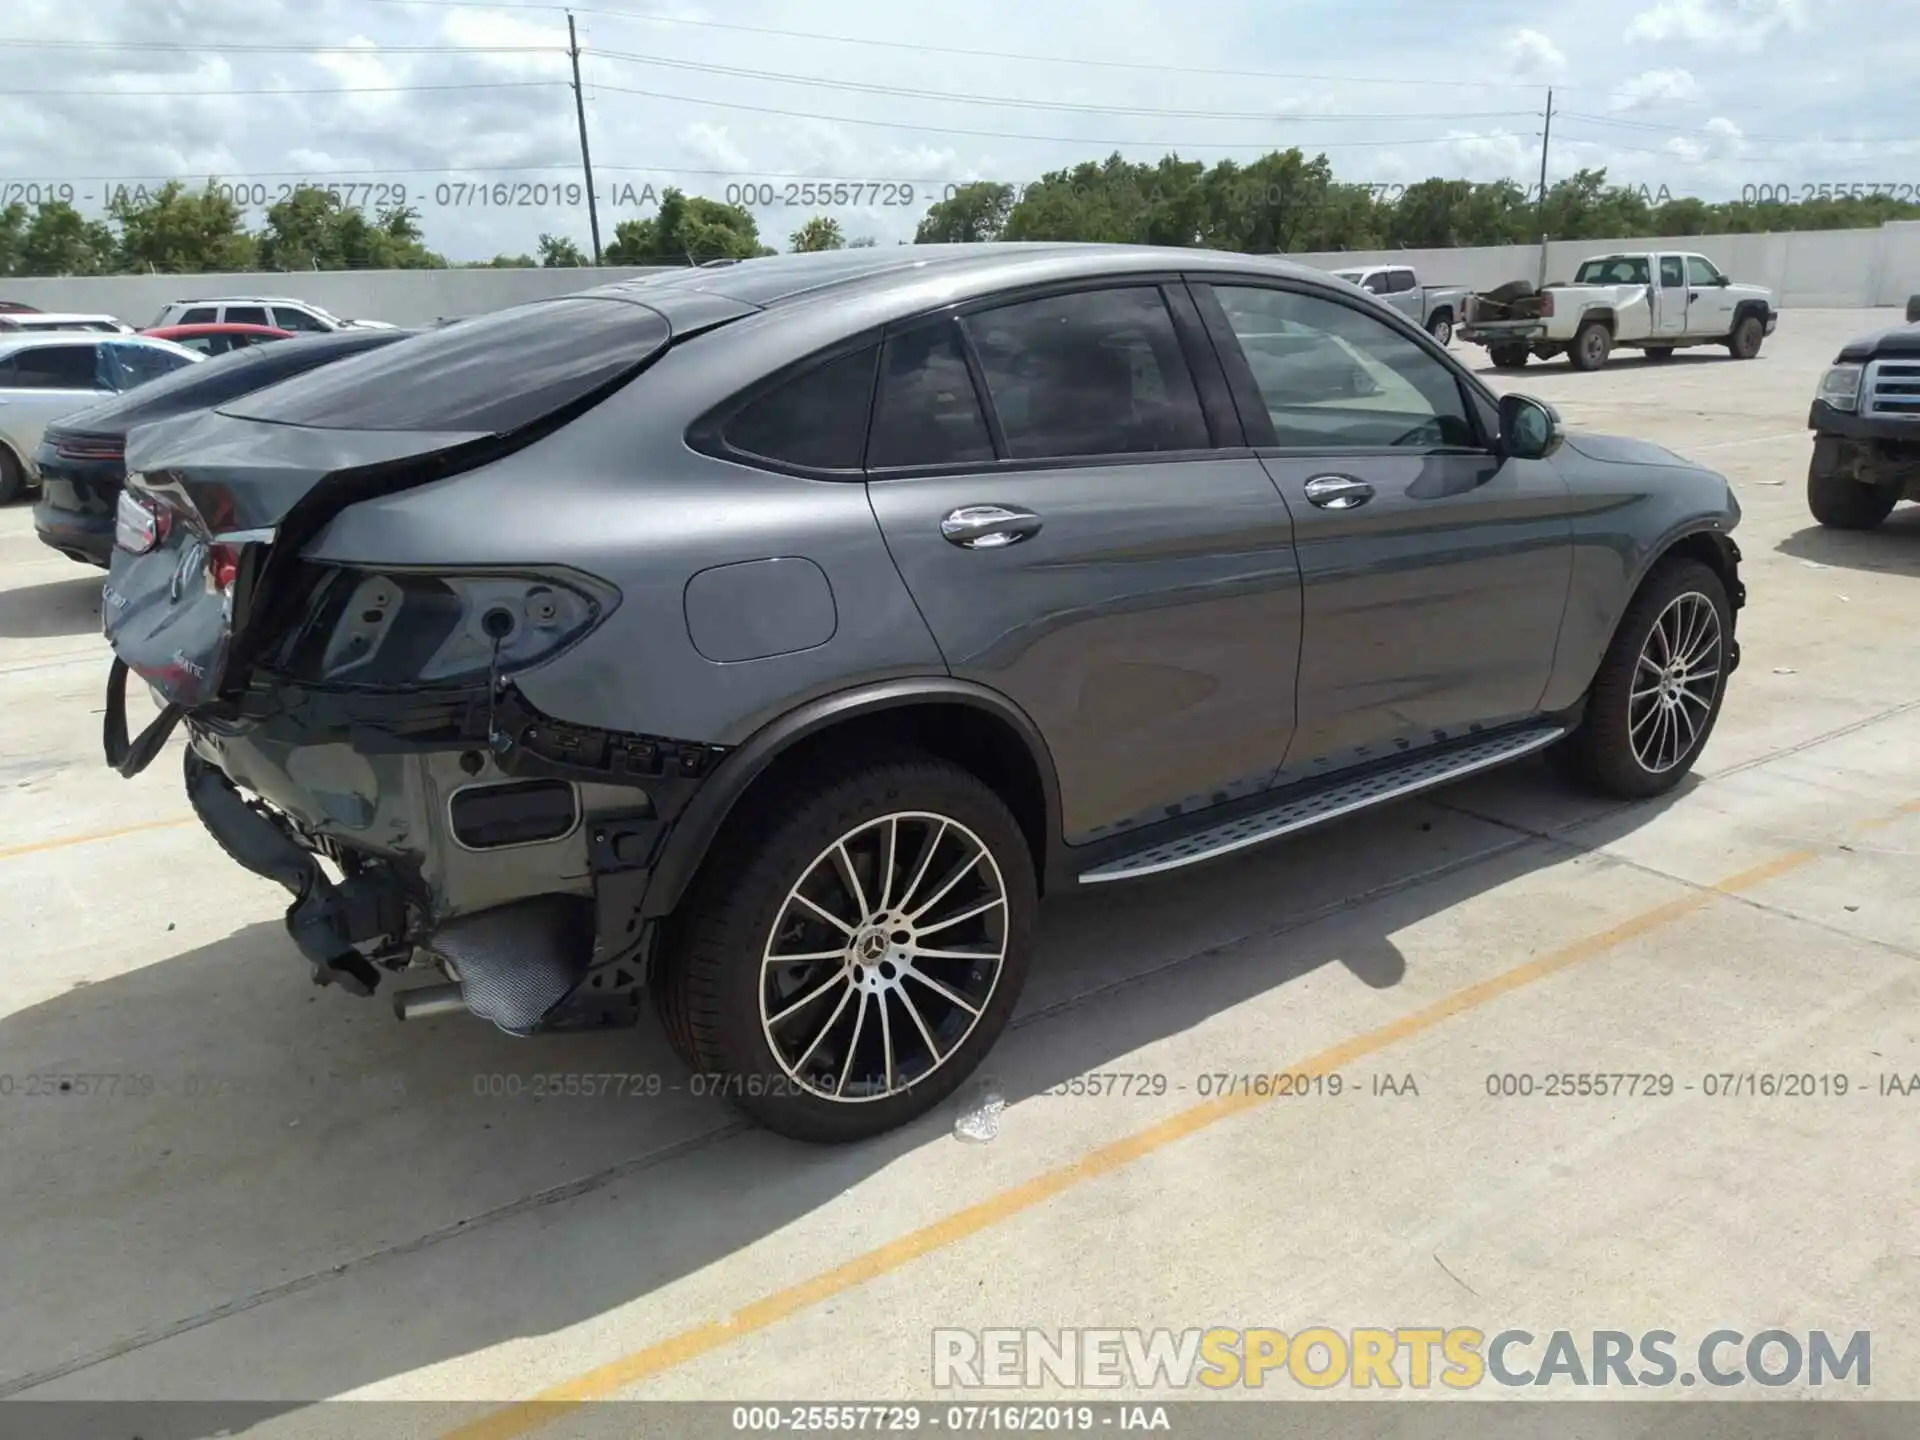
{"x":818,"y":419}
{"x":201,"y":315}
{"x":1096,"y":372}
{"x":1402,"y":281}
{"x":1700,"y":271}
{"x":927,"y":411}
{"x":1332,"y":377}
{"x":1673,"y":274}
{"x":492,"y":374}
{"x":246,"y":315}
{"x":288,"y":318}
{"x":58,"y":367}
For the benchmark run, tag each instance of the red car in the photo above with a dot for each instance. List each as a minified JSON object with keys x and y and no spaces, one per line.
{"x":218,"y":339}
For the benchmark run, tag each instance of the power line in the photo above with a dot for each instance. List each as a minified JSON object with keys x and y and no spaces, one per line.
{"x":1170,"y":145}
{"x":1266,"y":117}
{"x":1780,"y":139}
{"x":911,"y":45}
{"x":257,"y":49}
{"x":304,"y":89}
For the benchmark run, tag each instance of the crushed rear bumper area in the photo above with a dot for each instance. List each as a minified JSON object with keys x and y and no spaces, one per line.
{"x":507,"y":851}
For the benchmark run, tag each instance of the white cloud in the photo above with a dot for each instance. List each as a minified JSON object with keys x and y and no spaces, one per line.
{"x":1530,"y":55}
{"x":1744,"y":25}
{"x":1459,"y":102}
{"x":1653,"y":89}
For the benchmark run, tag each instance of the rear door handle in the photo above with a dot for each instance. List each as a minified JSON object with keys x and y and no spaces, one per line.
{"x":1338,"y":492}
{"x":988,"y":527}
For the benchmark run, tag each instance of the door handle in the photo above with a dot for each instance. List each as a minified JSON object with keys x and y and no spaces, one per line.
{"x":988,"y":527}
{"x":1693,"y":294}
{"x":1338,"y":492}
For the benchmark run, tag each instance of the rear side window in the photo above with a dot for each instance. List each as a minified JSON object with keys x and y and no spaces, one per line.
{"x":1400,"y":281}
{"x":130,"y":365}
{"x":1095,"y":372}
{"x":817,"y":420}
{"x":927,"y":411}
{"x":57,"y":367}
{"x":490,"y":375}
{"x":1673,"y":275}
{"x":246,"y":314}
{"x":200,"y":315}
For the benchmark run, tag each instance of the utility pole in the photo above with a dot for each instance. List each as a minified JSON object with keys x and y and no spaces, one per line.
{"x":586,"y":156}
{"x":1546,"y":138}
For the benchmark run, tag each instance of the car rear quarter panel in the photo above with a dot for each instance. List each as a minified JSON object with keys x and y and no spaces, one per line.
{"x":618,"y":494}
{"x":1626,"y":517}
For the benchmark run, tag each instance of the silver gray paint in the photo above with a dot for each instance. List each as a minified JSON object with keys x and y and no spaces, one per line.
{"x":1180,"y":631}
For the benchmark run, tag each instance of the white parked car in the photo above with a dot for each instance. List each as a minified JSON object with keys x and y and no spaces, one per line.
{"x":1656,"y":301}
{"x":26,"y":322}
{"x":45,"y":375}
{"x":278,"y":311}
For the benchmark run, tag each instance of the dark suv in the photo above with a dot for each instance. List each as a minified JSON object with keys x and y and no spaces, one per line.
{"x":773,"y":637}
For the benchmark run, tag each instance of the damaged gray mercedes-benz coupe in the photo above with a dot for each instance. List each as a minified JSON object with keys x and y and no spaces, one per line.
{"x":768,"y":639}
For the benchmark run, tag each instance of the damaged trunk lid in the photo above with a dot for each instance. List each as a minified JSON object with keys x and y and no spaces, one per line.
{"x":219,"y":504}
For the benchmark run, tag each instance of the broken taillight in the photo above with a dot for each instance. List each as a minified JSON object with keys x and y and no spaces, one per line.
{"x":223,"y":565}
{"x":138,"y":525}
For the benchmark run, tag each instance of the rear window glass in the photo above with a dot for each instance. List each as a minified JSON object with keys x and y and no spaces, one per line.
{"x":489,"y":375}
{"x":229,"y":376}
{"x":818,"y":419}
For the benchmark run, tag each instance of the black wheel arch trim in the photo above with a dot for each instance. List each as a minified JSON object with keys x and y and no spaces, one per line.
{"x":686,"y":844}
{"x":1723,"y":543}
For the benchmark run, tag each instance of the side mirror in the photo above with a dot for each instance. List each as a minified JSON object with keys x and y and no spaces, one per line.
{"x":1723,"y":282}
{"x":1913,"y":309}
{"x":1530,"y":429}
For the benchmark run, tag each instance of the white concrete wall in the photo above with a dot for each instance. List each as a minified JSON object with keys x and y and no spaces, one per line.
{"x":402,"y":297}
{"x":1817,"y":269}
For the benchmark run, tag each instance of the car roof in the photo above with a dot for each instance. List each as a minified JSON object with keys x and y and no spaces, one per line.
{"x":980,"y":268}
{"x":20,"y":339}
{"x":212,"y":327}
{"x":249,"y":300}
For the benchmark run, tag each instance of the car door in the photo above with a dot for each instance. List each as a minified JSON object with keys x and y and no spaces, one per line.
{"x":45,"y":382}
{"x":1670,"y":296}
{"x":1403,"y":293}
{"x":1711,"y":302}
{"x":1434,"y":573}
{"x":1062,"y":483}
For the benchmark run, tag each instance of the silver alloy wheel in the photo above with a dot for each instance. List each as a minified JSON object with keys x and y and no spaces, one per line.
{"x":1442,"y":331}
{"x":883,"y":957}
{"x":1594,"y":345}
{"x":1674,"y":682}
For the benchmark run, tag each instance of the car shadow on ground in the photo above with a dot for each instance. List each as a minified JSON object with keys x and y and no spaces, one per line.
{"x":1620,"y":360}
{"x":1891,"y":549}
{"x":54,"y":608}
{"x":322,"y":1138}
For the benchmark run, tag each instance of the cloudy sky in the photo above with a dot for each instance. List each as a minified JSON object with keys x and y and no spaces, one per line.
{"x":444,"y":100}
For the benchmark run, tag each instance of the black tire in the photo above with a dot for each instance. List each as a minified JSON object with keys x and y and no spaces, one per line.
{"x":1592,"y":344}
{"x":1748,"y":332}
{"x":1842,"y":503}
{"x":708,"y":984}
{"x":13,"y":480}
{"x":1440,"y":327}
{"x":1602,"y":753}
{"x":1510,"y":357}
{"x":1659,"y":354}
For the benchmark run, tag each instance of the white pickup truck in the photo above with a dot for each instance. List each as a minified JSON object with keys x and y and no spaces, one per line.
{"x":1658,"y":302}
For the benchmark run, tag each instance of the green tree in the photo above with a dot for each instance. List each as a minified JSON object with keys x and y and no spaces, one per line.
{"x":973,"y":212}
{"x":59,"y":240}
{"x":313,"y":230}
{"x":686,"y":230}
{"x":557,"y":250}
{"x":822,"y":232}
{"x":13,"y":234}
{"x":178,"y":231}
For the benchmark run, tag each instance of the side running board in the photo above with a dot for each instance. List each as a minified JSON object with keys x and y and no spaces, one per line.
{"x":1328,"y":803}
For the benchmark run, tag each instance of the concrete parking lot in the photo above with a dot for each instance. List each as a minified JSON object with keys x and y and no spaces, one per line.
{"x":287,"y":1196}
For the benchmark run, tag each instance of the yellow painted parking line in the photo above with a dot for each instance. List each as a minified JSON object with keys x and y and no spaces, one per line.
{"x":641,"y":1365}
{"x":92,"y":836}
